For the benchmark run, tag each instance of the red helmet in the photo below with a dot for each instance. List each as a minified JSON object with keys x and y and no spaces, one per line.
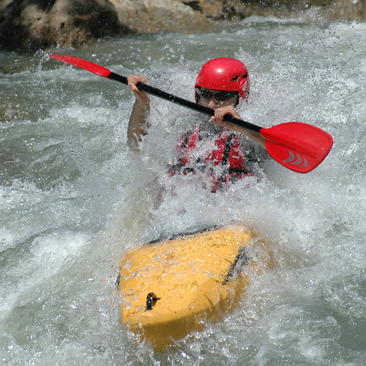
{"x":224,"y":74}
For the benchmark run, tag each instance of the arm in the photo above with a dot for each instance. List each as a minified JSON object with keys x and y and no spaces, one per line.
{"x":137,"y":125}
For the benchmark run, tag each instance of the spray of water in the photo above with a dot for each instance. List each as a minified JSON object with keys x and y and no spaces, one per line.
{"x":74,"y":199}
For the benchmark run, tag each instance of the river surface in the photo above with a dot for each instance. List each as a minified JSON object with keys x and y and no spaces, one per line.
{"x":73,"y":198}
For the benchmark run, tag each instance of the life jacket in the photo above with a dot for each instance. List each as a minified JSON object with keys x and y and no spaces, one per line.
{"x":226,"y":154}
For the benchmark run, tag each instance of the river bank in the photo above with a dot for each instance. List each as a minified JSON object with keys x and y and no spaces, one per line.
{"x":29,"y":25}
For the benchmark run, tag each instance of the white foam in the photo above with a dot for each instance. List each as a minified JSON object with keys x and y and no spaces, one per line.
{"x":7,"y":239}
{"x":296,"y":313}
{"x":48,"y":253}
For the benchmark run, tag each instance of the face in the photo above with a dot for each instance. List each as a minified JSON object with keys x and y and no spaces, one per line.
{"x":216,"y":98}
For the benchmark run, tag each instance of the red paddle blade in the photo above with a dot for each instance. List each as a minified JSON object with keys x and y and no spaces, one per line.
{"x":297,"y":146}
{"x":90,"y":66}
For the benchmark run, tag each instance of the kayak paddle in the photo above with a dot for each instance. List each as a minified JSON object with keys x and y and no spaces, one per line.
{"x":296,"y":145}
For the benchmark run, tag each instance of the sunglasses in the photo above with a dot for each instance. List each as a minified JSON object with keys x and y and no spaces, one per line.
{"x":220,"y":95}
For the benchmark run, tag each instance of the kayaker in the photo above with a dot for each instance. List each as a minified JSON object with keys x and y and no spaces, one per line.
{"x":221,"y":84}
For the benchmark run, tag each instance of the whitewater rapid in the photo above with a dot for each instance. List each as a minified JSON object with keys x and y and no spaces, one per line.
{"x":73,"y":198}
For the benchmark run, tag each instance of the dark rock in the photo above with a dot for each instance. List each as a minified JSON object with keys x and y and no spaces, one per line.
{"x":34,"y":24}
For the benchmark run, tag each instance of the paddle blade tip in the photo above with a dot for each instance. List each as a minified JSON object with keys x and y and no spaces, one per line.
{"x":84,"y":64}
{"x":298,"y":146}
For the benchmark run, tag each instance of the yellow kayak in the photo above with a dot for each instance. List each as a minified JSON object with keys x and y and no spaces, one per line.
{"x":172,"y":287}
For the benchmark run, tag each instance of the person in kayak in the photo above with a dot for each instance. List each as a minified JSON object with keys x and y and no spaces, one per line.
{"x":221,"y":84}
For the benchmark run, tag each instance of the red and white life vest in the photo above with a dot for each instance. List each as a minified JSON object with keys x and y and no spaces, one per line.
{"x":225,"y":162}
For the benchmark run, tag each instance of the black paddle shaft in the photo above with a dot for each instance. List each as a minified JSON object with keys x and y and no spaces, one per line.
{"x":183,"y":102}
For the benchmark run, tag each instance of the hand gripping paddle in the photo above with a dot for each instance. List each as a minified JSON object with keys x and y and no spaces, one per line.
{"x":297,"y":146}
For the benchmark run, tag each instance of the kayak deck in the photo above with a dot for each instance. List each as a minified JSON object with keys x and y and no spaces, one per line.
{"x":172,"y":287}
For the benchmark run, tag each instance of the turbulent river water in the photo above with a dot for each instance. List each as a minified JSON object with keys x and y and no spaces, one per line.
{"x":73,"y":198}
